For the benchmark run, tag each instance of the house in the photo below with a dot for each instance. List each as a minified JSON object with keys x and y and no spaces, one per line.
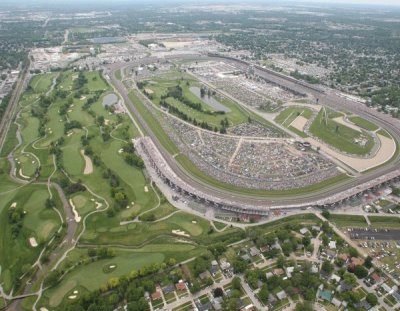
{"x":264,"y":248}
{"x":316,"y":228}
{"x":248,"y":308}
{"x":363,"y":305}
{"x":278,"y":271}
{"x":214,"y":263}
{"x":331,"y":254}
{"x":324,"y":275}
{"x":375,"y":278}
{"x":168,"y":289}
{"x":272,"y":299}
{"x":214,"y":270}
{"x":396,"y":296}
{"x":217,"y":303}
{"x":204,"y":275}
{"x":336,"y":302}
{"x":281,"y":295}
{"x":254,"y":251}
{"x":387,"y":288}
{"x":344,"y":257}
{"x":156,"y":296}
{"x":303,"y":231}
{"x":332,"y":244}
{"x":335,"y":278}
{"x":355,"y":261}
{"x":180,"y":285}
{"x":289,"y":271}
{"x":269,"y":275}
{"x":246,"y":257}
{"x":314,"y":269}
{"x":207,"y":306}
{"x":325,"y":295}
{"x":344,"y":287}
{"x":224,"y":264}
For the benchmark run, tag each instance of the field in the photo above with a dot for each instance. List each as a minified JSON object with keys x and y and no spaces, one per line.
{"x":39,"y":222}
{"x":352,"y":221}
{"x":287,"y":116}
{"x":235,"y":114}
{"x":365,"y":124}
{"x":385,"y":222}
{"x":338,"y":135}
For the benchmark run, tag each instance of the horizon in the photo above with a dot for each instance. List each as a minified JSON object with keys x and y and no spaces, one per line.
{"x":345,"y":3}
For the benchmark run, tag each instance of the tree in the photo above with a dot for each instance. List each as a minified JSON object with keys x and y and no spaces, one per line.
{"x":236,"y":283}
{"x":326,"y":214}
{"x":372,"y":299}
{"x":360,"y":271}
{"x":327,"y":266}
{"x":264,"y":293}
{"x":305,"y":306}
{"x":368,"y":262}
{"x":218,"y":292}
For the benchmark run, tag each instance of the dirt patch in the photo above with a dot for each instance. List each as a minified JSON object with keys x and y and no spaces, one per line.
{"x":88,"y":164}
{"x":299,"y":123}
{"x":343,"y":121}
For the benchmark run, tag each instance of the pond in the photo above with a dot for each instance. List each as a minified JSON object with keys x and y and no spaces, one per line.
{"x":209,"y":100}
{"x":110,"y":99}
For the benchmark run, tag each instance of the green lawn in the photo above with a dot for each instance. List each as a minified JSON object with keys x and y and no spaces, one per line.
{"x":385,"y":222}
{"x":82,"y":277}
{"x":287,"y":116}
{"x":338,"y":135}
{"x":348,"y":221}
{"x":39,"y":222}
{"x":365,"y":124}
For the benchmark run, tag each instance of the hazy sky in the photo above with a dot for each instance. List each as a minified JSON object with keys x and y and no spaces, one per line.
{"x":375,"y":2}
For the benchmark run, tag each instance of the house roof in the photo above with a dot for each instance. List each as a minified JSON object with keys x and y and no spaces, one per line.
{"x":376,"y":277}
{"x":278,"y":271}
{"x":180,"y":286}
{"x":168,"y":289}
{"x":156,"y":295}
{"x":281,"y":295}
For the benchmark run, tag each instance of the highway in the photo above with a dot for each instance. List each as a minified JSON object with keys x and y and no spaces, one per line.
{"x":328,"y":98}
{"x":8,"y":116}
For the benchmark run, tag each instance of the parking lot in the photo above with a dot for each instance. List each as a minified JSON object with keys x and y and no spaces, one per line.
{"x":375,"y":234}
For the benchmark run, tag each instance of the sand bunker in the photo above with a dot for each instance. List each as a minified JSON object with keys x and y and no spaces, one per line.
{"x":77,"y":217}
{"x":33,"y":242}
{"x":146,"y":189}
{"x":194,"y":222}
{"x":22,"y":175}
{"x":180,"y":232}
{"x":343,"y":121}
{"x":98,"y":205}
{"x":120,"y":150}
{"x":299,"y":123}
{"x":106,"y":121}
{"x":72,"y":297}
{"x":13,"y":205}
{"x":384,"y":154}
{"x":88,"y":164}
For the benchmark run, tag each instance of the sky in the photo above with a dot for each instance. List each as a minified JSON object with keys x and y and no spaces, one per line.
{"x":374,"y":2}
